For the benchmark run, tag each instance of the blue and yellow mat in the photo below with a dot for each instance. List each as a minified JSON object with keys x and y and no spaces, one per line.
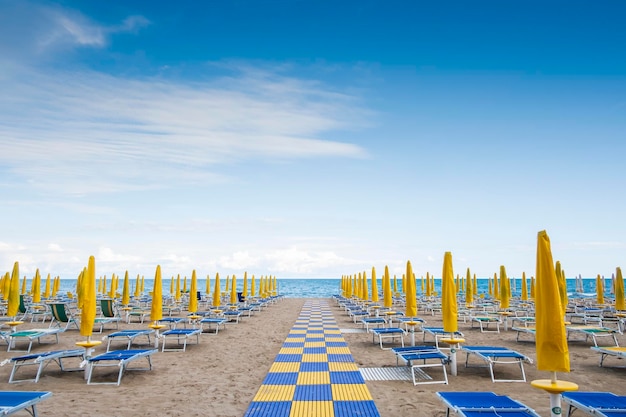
{"x":314,"y":373}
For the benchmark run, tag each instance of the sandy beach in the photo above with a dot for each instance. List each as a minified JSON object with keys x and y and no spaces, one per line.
{"x":220,"y":376}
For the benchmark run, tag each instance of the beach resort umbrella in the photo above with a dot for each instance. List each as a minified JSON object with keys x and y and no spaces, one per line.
{"x":599,"y":290}
{"x":411,"y":294}
{"x":395,"y":285}
{"x":142,"y":284}
{"x":185,"y":285}
{"x":524,"y":288}
{"x":208,"y":284}
{"x":177,"y":292}
{"x":496,"y":287}
{"x":56,"y":286}
{"x":244,"y":291}
{"x":216,"y":291}
{"x":561,"y":285}
{"x":428,"y":289}
{"x":504,"y":289}
{"x":172,"y":286}
{"x":36,"y":287}
{"x":550,"y":334}
{"x":137,"y":287}
{"x":126,"y":291}
{"x":227,"y":283}
{"x":374,"y":286}
{"x":23,"y":285}
{"x":448,"y":296}
{"x":13,"y":293}
{"x":104,"y":284}
{"x":364,"y":290}
{"x":252,"y":287}
{"x":5,"y":286}
{"x":88,"y":305}
{"x":387,"y":296}
{"x":233,"y":291}
{"x":47,"y":289}
{"x":475,"y":286}
{"x":193,"y":294}
{"x":620,"y":304}
{"x":469,"y":296}
{"x":156,"y":309}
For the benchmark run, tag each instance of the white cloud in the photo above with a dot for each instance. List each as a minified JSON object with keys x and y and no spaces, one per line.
{"x":298,"y":261}
{"x":54,"y":247}
{"x":83,"y":132}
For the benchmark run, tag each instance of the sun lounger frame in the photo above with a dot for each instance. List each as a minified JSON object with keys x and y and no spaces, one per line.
{"x":387,"y":333}
{"x":14,"y":401}
{"x":31,"y":335}
{"x":178,"y":335}
{"x":209,"y":321}
{"x":594,"y":332}
{"x":42,"y":360}
{"x":412,"y":355}
{"x":121,"y":359}
{"x":438,"y":332}
{"x":484,"y":322}
{"x":493,"y":355}
{"x":606,"y":351}
{"x":129,"y":336}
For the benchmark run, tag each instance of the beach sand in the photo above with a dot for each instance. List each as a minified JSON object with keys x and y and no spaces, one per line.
{"x":220,"y":376}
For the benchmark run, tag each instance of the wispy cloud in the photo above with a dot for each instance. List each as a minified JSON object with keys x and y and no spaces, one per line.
{"x":85,"y":131}
{"x":29,"y":29}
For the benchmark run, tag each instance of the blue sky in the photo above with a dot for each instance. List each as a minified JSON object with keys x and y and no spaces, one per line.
{"x":311,"y":138}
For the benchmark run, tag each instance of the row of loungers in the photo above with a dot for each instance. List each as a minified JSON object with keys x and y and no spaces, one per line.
{"x":463,"y":404}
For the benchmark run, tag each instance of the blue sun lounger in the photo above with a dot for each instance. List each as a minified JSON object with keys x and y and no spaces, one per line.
{"x":14,"y":401}
{"x":419,"y":357}
{"x":178,"y":335}
{"x":121,"y":359}
{"x":128,"y":336}
{"x":387,"y":333}
{"x":213,"y":321}
{"x":41,"y":360}
{"x":493,"y":355}
{"x":600,"y":404}
{"x":484,"y":404}
{"x":438,"y":332}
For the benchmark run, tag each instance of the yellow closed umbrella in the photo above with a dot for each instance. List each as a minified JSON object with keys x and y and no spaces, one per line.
{"x":208,"y":284}
{"x":599,"y":290}
{"x":227,"y":283}
{"x":23,"y":285}
{"x":88,"y":303}
{"x":364,"y":290}
{"x":193,"y":297}
{"x":47,"y":289}
{"x":156,"y":309}
{"x":387,"y":296}
{"x":620,"y":304}
{"x":348,"y":287}
{"x":37,"y":287}
{"x":374,"y":286}
{"x":524,"y":288}
{"x":244,"y":292}
{"x":469,"y":296}
{"x":428,"y":289}
{"x":142,"y":284}
{"x":233,"y":290}
{"x":448,"y":296}
{"x":395,"y":284}
{"x":216,"y":291}
{"x":252,"y":287}
{"x":137,"y":287}
{"x":126,"y":291}
{"x":504,"y":289}
{"x":5,"y":286}
{"x":561,"y":285}
{"x":13,"y":294}
{"x":185,"y":285}
{"x":172,"y":286}
{"x":550,"y":334}
{"x":177,"y":292}
{"x":411,"y":294}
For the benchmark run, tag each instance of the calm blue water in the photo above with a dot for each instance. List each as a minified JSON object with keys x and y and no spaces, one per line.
{"x":322,"y":288}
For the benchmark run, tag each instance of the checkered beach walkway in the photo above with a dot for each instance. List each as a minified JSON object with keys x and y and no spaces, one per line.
{"x":314,"y":373}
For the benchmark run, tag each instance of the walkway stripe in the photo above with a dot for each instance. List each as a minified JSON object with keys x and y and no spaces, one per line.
{"x":314,"y":373}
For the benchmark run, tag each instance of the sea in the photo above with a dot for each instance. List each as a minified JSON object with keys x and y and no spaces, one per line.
{"x":327,"y":287}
